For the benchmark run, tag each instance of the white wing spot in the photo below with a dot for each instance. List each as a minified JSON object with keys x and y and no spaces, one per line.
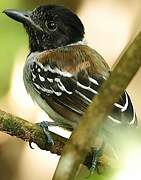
{"x":118,"y":105}
{"x":93,"y":81}
{"x":41,"y":78}
{"x":39,"y":70}
{"x":114,"y":120}
{"x":83,"y":96}
{"x":61,"y":86}
{"x":134,"y":118}
{"x":48,"y":91}
{"x":87,"y":87}
{"x":55,"y":70}
{"x":126,"y":103}
{"x":33,"y":76}
{"x":57,"y":93}
{"x":37,"y":86}
{"x":50,"y":80}
{"x":45,"y":70}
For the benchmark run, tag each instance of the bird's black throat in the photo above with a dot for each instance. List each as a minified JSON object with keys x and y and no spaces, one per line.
{"x":40,"y":41}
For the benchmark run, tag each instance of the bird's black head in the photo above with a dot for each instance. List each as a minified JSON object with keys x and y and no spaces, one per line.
{"x":49,"y":26}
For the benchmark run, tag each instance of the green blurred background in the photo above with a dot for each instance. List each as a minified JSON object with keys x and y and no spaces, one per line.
{"x":110,"y":26}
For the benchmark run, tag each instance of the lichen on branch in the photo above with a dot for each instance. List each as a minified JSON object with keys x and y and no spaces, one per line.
{"x":30,"y":132}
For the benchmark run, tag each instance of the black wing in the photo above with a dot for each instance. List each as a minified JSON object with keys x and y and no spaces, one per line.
{"x":75,"y":91}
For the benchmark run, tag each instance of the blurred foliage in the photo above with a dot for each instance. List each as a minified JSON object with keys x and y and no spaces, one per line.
{"x":73,"y":4}
{"x":12,"y":37}
{"x":10,"y":153}
{"x":85,"y":174}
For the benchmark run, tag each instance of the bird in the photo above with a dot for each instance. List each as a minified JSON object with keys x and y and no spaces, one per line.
{"x":62,"y":72}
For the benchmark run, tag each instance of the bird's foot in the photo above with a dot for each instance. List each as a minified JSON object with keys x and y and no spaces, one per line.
{"x":96,"y":154}
{"x":45,"y":125}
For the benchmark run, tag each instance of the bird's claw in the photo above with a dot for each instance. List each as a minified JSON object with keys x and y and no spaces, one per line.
{"x":44,"y":125}
{"x":95,"y":163}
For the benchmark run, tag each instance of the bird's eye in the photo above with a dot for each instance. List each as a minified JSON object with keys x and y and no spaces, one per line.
{"x":51,"y":25}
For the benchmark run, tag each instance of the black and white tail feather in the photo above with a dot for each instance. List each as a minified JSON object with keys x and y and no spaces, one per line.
{"x":75,"y":91}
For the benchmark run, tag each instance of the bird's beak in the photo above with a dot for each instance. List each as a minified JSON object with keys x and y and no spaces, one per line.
{"x":23,"y":17}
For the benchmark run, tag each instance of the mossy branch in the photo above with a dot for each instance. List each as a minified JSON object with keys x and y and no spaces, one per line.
{"x":30,"y":132}
{"x":83,"y":137}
